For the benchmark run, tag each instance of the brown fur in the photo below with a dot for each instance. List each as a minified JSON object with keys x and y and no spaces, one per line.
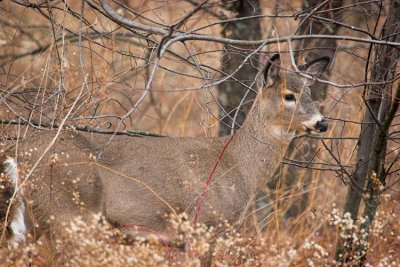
{"x":139,"y":180}
{"x":6,"y":192}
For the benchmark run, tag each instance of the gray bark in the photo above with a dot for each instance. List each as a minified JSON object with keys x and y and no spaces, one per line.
{"x":370,"y":169}
{"x":232,"y":92}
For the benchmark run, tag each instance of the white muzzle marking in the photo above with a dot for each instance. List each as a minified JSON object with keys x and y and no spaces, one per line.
{"x":311,"y":123}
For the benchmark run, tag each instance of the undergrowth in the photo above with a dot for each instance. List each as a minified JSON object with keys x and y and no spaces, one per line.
{"x":95,"y":242}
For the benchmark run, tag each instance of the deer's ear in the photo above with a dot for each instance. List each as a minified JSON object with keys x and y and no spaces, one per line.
{"x":314,"y":68}
{"x":270,"y":72}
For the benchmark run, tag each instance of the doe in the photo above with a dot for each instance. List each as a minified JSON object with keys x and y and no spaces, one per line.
{"x":138,"y":180}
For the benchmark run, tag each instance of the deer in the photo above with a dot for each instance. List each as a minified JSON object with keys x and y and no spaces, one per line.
{"x":137,"y":180}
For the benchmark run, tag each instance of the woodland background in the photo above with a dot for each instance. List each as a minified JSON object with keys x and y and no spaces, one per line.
{"x":185,"y":68}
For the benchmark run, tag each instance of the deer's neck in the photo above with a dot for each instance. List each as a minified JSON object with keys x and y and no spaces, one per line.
{"x":259,"y":146}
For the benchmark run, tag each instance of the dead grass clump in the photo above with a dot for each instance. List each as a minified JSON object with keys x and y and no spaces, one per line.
{"x":95,"y":242}
{"x":92,"y":242}
{"x":195,"y":237}
{"x":28,"y":255}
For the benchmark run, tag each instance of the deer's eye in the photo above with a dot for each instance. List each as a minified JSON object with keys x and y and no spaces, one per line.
{"x":290,"y":97}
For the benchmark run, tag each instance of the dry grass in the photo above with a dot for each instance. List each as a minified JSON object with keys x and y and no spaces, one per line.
{"x":96,"y":243}
{"x":44,"y":83}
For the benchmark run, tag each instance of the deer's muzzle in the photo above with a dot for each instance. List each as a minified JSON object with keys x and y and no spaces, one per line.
{"x":317,"y":124}
{"x":321,"y":125}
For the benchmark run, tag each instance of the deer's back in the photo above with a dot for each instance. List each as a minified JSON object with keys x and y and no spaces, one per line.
{"x":130,"y":179}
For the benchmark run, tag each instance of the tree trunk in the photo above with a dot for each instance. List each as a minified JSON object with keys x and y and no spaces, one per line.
{"x":370,"y":159}
{"x":231,"y":92}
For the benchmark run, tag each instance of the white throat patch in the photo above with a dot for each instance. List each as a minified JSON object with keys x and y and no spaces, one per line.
{"x":282,"y":132}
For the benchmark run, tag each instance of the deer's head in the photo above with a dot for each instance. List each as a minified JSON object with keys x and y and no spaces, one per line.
{"x":289,"y":96}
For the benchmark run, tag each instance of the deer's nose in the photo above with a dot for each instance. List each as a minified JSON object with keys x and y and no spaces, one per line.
{"x":322,"y":125}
